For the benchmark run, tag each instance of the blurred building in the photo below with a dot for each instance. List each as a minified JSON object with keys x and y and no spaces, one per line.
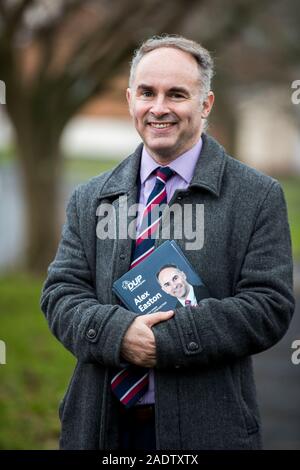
{"x":268,"y":137}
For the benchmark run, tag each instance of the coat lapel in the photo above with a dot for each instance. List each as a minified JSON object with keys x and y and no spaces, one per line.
{"x":210,"y":166}
{"x":120,"y":191}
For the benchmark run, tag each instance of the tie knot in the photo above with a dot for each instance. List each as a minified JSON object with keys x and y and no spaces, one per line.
{"x":164,"y":173}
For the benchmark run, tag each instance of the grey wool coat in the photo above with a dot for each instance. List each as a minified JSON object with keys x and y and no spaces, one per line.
{"x":204,"y":386}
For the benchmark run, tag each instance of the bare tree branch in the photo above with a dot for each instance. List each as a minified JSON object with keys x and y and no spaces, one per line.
{"x":241,"y":17}
{"x":14,"y":18}
{"x":3,"y":11}
{"x":78,"y":62}
{"x":46,"y":36}
{"x":119,"y":49}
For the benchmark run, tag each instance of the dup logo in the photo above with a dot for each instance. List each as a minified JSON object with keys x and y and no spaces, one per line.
{"x":131,"y":285}
{"x":2,"y":92}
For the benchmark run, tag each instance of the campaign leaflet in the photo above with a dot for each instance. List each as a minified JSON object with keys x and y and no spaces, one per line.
{"x":139,"y":289}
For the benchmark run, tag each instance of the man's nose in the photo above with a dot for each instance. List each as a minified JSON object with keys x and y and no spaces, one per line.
{"x":159,"y":106}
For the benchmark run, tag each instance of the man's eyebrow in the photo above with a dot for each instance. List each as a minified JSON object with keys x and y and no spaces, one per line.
{"x":179,"y":89}
{"x":144,"y":86}
{"x":174,"y":89}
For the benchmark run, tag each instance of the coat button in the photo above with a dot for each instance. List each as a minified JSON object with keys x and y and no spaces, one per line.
{"x":91,"y":333}
{"x":122,"y":256}
{"x":193,"y":346}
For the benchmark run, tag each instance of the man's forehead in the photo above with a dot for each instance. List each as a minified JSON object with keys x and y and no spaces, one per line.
{"x":168,"y":272}
{"x":166,"y":62}
{"x":169,"y":54}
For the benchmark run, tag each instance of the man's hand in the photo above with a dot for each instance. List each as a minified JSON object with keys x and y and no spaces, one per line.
{"x":138,"y":346}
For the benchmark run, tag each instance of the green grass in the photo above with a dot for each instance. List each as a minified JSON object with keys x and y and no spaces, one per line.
{"x":7,"y":155}
{"x":81,"y":167}
{"x":291,"y":187}
{"x":36,"y":372}
{"x":84,"y":168}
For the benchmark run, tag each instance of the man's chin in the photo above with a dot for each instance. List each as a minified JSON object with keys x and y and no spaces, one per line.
{"x":164,"y":149}
{"x":181,"y":297}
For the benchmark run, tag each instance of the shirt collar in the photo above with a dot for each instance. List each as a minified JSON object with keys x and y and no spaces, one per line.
{"x":184,"y":165}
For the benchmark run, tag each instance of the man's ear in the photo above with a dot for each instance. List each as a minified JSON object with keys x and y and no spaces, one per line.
{"x":129,"y":100}
{"x":207,"y":105}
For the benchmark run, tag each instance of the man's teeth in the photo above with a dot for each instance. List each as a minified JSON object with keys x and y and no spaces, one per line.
{"x":161,"y":125}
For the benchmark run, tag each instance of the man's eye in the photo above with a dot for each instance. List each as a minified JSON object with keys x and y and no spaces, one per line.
{"x":177,"y":96}
{"x":147,"y":94}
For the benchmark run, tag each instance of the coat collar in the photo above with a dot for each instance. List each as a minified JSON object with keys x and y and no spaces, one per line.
{"x":208,"y":172}
{"x":123,"y":178}
{"x":210,"y":166}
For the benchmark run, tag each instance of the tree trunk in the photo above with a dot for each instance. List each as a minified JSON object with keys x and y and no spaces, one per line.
{"x":224,"y":123}
{"x":40,"y":164}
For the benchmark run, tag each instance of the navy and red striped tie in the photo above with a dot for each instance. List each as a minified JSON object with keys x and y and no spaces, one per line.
{"x":131,"y":383}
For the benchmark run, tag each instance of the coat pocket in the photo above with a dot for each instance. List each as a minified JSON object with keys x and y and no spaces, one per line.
{"x":250,"y":420}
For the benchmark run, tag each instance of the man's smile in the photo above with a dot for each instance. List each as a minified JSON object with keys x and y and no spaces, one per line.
{"x":161,"y":125}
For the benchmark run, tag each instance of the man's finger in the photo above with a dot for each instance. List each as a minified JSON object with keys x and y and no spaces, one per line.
{"x":157,"y":317}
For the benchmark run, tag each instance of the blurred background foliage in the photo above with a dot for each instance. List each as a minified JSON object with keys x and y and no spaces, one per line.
{"x":65,"y":63}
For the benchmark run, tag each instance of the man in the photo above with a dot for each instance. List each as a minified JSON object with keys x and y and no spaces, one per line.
{"x":196,"y":387}
{"x":173,"y":281}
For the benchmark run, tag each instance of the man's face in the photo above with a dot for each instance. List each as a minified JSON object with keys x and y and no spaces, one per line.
{"x":165,"y":103}
{"x":173,"y":282}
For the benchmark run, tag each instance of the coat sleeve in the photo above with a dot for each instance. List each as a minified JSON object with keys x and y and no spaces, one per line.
{"x":91,"y":331}
{"x":252,"y":320}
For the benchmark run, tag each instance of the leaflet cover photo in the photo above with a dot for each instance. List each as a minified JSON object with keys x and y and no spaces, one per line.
{"x":160,"y":282}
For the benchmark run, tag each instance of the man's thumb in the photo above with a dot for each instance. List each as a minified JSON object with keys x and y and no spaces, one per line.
{"x":157,"y":317}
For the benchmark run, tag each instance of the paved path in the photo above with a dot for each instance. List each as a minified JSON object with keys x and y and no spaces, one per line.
{"x":278,"y":386}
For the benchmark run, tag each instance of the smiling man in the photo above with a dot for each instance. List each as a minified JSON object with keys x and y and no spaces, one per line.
{"x":180,"y":379}
{"x":174,"y":282}
{"x":168,"y":103}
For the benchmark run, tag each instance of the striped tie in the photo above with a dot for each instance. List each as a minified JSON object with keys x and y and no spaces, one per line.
{"x":130,"y":384}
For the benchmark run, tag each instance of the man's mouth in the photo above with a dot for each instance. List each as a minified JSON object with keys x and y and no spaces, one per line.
{"x":161,"y":125}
